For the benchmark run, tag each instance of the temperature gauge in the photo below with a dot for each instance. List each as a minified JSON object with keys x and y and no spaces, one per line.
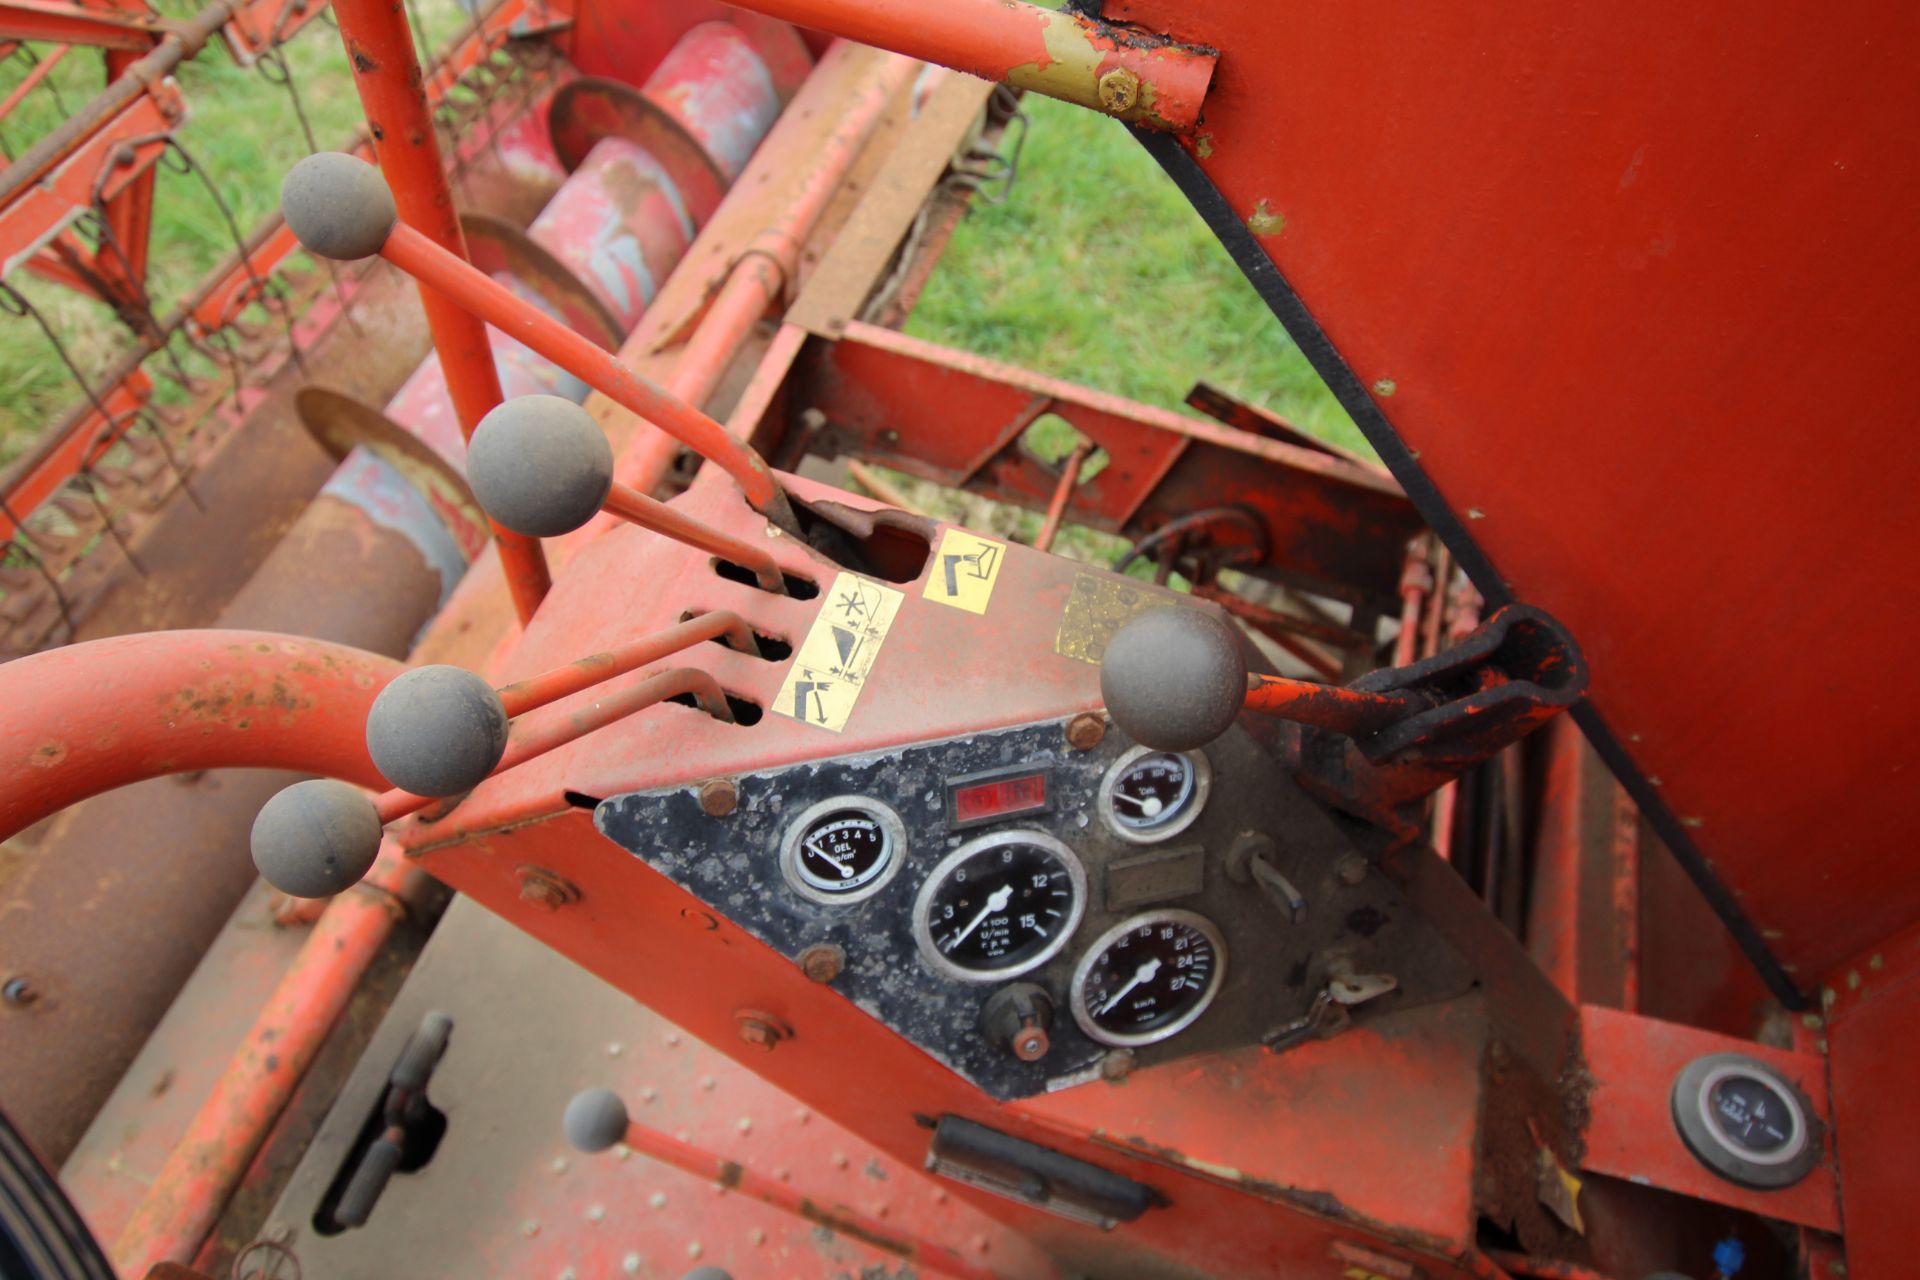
{"x":1150,"y":795}
{"x":842,"y":850}
{"x":999,"y":906}
{"x":1148,"y":978}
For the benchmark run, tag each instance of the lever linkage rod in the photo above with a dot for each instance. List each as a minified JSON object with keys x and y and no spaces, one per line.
{"x":437,"y":732}
{"x":339,"y":207}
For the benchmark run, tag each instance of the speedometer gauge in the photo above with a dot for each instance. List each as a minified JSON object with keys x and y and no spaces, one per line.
{"x":1148,"y":978}
{"x":842,"y":850}
{"x":1149,"y":795}
{"x":999,"y":906}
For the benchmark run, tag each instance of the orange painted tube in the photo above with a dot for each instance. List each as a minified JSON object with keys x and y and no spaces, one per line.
{"x":561,"y":682}
{"x":434,"y":267}
{"x":649,"y":513}
{"x":386,"y":72}
{"x":1327,"y":706}
{"x":1124,"y":72}
{"x":192,"y":1188}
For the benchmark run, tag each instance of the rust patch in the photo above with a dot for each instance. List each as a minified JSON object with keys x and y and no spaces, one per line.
{"x":730,"y":1173}
{"x":49,"y":754}
{"x":833,"y":1222}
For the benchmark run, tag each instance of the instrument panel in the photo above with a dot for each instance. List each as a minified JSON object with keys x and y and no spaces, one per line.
{"x":1033,"y":914}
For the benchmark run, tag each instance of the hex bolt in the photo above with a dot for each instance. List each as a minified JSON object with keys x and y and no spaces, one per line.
{"x":542,"y":888}
{"x":1031,"y":1044}
{"x":1085,"y":731}
{"x":1117,"y":1065}
{"x":1119,"y":90}
{"x":18,"y":992}
{"x":719,"y":797}
{"x":1350,"y":869}
{"x":762,"y":1029}
{"x":822,"y":962}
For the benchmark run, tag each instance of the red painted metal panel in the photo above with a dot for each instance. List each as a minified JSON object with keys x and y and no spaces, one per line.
{"x":1628,"y":282}
{"x":1630,"y":1132}
{"x":1873,"y":1039}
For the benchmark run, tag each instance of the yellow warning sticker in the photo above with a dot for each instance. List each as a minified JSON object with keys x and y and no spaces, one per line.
{"x":1099,"y":606}
{"x":964,"y":570}
{"x":834,"y":661}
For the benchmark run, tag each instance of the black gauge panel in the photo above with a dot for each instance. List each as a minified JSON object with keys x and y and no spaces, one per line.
{"x":999,"y":905}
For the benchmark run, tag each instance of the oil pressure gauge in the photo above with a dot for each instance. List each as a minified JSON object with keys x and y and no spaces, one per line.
{"x":999,"y":906}
{"x":1149,"y":795}
{"x":1148,"y":978}
{"x":842,"y":850}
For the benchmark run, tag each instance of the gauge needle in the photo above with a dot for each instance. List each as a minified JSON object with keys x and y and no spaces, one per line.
{"x":1143,"y":974}
{"x":846,"y":872}
{"x":1150,"y":806}
{"x":997,"y":902}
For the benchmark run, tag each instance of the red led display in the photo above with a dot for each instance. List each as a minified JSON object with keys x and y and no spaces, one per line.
{"x":997,"y":797}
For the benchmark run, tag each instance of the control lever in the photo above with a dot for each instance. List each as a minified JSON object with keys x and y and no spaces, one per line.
{"x":405,"y":1112}
{"x":1331,"y":1010}
{"x":1176,"y":678}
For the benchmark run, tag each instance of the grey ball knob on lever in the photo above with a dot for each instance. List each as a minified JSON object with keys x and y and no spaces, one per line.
{"x":540,"y":465}
{"x":437,"y":731}
{"x":316,"y":838}
{"x":1174,"y":679}
{"x":337,"y":206}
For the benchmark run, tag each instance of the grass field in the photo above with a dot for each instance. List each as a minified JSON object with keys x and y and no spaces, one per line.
{"x":1094,"y":269}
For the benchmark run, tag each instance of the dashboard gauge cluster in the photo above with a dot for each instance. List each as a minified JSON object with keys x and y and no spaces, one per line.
{"x":1020,"y":908}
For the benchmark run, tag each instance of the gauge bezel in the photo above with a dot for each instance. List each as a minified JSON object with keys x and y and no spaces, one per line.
{"x":1202,"y":785}
{"x":890,"y":826}
{"x":1077,"y":993}
{"x":923,"y":902}
{"x":1701,"y":1133}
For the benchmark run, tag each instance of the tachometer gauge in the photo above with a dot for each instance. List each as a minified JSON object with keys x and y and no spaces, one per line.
{"x":1150,"y":795}
{"x":842,"y":850}
{"x":1000,"y":905}
{"x":1148,"y":978}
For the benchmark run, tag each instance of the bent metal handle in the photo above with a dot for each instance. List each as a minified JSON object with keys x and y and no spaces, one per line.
{"x":339,"y":207}
{"x":89,"y":717}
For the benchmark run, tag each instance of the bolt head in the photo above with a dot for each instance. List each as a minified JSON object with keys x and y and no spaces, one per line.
{"x":18,"y":992}
{"x":719,"y":797}
{"x":1119,"y":91}
{"x":823,"y":962}
{"x":1117,"y":1065}
{"x":1085,"y":731}
{"x":1351,"y":869}
{"x":762,"y":1029}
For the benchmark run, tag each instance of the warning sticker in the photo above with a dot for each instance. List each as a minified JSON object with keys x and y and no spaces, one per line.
{"x":835,"y":659}
{"x":964,"y":570}
{"x":1099,"y":606}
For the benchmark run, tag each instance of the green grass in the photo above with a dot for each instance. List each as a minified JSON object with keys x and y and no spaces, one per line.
{"x":240,"y":129}
{"x":1097,"y":270}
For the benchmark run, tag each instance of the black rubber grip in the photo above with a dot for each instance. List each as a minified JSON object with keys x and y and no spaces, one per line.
{"x":422,"y":1051}
{"x":369,"y":1180}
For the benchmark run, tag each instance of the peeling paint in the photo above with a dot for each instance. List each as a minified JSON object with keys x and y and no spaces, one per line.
{"x":1265,"y":220}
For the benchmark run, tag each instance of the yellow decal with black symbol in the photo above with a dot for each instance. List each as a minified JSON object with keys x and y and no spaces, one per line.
{"x":834,"y":661}
{"x":964,"y":570}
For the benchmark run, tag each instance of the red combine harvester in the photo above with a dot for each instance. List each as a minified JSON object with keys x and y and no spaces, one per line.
{"x":841,"y":891}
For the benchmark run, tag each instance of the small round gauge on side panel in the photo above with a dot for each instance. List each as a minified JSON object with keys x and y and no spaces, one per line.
{"x":1148,"y":978}
{"x":842,"y":850}
{"x":1150,"y":795}
{"x":1744,"y":1121}
{"x":1000,"y":905}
